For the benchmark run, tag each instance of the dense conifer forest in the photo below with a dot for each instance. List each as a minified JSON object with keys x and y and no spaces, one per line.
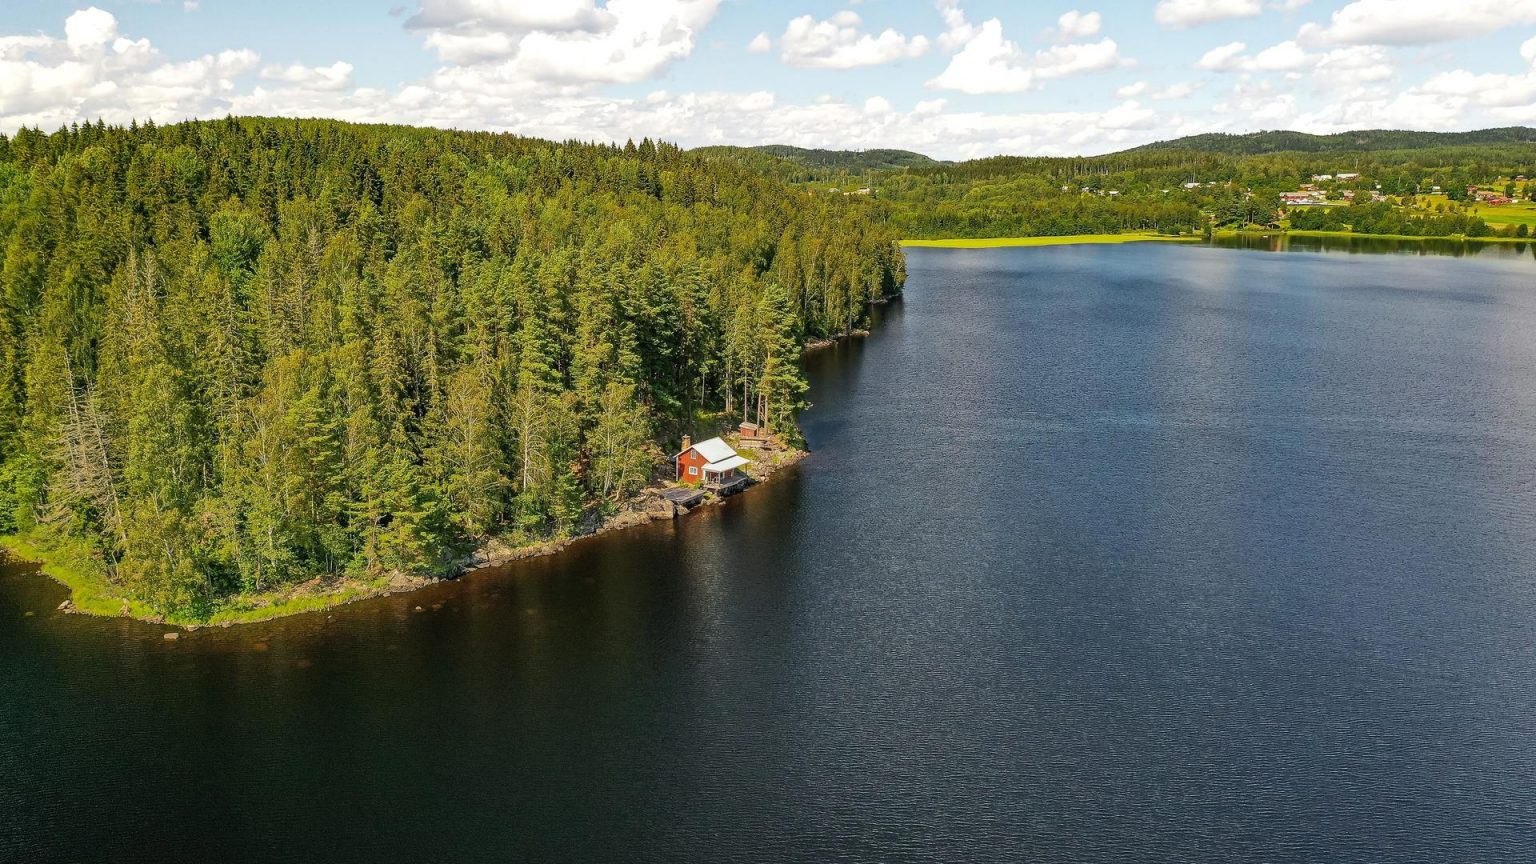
{"x":237,"y":355}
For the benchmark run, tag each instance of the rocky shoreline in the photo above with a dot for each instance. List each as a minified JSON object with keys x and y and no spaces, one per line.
{"x":649,"y":505}
{"x":822,"y":344}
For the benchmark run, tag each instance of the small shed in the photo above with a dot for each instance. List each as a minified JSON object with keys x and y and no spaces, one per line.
{"x":711,"y":464}
{"x":752,"y":435}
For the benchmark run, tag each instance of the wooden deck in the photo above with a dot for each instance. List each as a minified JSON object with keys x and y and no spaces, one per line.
{"x":684,"y":496}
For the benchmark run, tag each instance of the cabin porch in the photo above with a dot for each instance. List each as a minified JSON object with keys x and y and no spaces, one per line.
{"x":727,"y":483}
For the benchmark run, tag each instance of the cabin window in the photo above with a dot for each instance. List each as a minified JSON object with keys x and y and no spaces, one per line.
{"x":693,"y":470}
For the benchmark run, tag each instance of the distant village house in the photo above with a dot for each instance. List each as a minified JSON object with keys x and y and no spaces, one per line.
{"x":1303,"y":199}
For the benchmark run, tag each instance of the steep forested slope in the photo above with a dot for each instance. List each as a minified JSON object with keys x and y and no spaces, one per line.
{"x":238,"y":354}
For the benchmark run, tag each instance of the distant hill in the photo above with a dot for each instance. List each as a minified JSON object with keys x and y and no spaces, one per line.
{"x":1259,"y":143}
{"x":845,"y":161}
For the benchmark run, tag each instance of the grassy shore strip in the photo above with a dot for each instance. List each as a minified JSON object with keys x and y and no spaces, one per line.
{"x":70,"y":563}
{"x":1066,"y":240}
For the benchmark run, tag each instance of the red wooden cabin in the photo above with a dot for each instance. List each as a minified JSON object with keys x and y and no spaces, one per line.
{"x":711,"y":464}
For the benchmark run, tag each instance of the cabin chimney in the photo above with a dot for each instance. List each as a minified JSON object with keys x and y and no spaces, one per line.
{"x":687,"y":443}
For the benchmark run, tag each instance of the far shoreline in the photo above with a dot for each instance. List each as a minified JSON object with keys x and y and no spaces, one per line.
{"x":1051,"y":240}
{"x":1146,"y":237}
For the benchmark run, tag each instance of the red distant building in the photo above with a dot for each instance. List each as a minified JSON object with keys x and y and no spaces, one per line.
{"x":752,"y":436}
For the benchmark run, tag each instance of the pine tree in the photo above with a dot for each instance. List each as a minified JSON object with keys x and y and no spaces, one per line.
{"x":620,"y":442}
{"x":781,"y":385}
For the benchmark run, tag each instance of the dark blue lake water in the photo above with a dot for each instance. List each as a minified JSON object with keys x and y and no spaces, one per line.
{"x":1138,"y":553}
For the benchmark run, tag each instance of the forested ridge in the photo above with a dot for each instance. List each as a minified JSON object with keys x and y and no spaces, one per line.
{"x":799,"y":164}
{"x":236,"y":355}
{"x":1257,"y":143}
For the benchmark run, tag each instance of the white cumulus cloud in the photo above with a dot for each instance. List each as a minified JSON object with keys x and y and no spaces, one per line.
{"x":841,"y":43}
{"x":563,"y":42}
{"x":1515,"y":94}
{"x":1143,"y":89}
{"x":506,"y":16}
{"x":1419,"y":22}
{"x":1341,"y":68}
{"x":1078,"y":25}
{"x":1222,"y":58}
{"x":89,"y":29}
{"x":1285,"y":56}
{"x":988,"y":62}
{"x":96,"y":72}
{"x":337,"y":76}
{"x":1193,"y":13}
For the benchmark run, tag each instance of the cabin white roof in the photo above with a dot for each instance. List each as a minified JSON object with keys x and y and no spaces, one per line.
{"x":714,"y":450}
{"x":726,"y":464}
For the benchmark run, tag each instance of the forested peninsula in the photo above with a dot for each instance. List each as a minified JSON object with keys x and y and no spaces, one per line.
{"x":245,"y":355}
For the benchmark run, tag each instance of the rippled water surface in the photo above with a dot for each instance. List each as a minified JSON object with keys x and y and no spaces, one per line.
{"x":1137,"y":553}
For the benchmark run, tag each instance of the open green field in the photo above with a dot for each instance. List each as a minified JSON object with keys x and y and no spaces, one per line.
{"x":1519,"y":213}
{"x":1068,"y":240}
{"x":1523,"y":213}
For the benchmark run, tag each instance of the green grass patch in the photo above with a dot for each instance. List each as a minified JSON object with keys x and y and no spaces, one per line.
{"x":250,"y":608}
{"x":1068,"y":240}
{"x":1517,"y":213}
{"x":1510,"y":214}
{"x":74,"y":564}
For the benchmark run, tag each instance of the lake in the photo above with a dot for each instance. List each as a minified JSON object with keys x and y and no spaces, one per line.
{"x":1124,"y":553}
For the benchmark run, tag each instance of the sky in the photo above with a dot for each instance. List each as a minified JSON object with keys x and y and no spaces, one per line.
{"x":953,"y":79}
